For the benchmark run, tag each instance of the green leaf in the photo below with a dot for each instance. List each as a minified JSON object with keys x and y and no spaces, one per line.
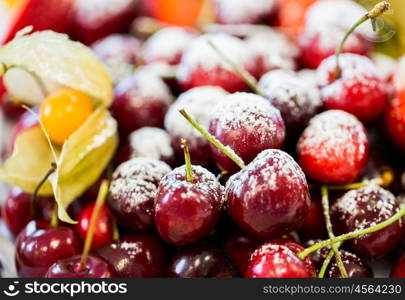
{"x":30,"y":161}
{"x":83,"y":158}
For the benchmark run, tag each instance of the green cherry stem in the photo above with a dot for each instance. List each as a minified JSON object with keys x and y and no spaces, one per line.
{"x":189,"y":170}
{"x":224,"y":149}
{"x":249,"y":79}
{"x":384,"y":180}
{"x":326,"y":212}
{"x":327,"y":260}
{"x":102,"y":195}
{"x":352,"y":235}
{"x":377,"y":11}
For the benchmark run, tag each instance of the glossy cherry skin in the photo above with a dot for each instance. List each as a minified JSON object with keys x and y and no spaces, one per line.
{"x":360,"y":90}
{"x":136,"y":256}
{"x":398,"y":270}
{"x":201,"y":261}
{"x":278,"y":260}
{"x":141,"y":99}
{"x":363,"y":208}
{"x":395,"y":120}
{"x":269,"y":197}
{"x":38,"y":247}
{"x":103,"y":232}
{"x":69,"y":268}
{"x":240,"y":247}
{"x":17,"y":209}
{"x":317,"y":45}
{"x":314,"y":224}
{"x":96,"y":19}
{"x":247,"y":124}
{"x":133,"y":190}
{"x":333,"y":148}
{"x":186,"y":212}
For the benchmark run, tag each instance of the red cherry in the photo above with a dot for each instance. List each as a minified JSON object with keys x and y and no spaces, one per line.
{"x":314,"y":224}
{"x":398,"y":270}
{"x":269,"y":197}
{"x":201,"y":65}
{"x":359,"y":90}
{"x":278,"y":260}
{"x":136,"y":256}
{"x":186,"y":212}
{"x":395,"y":120}
{"x":69,"y":268}
{"x":363,"y":208}
{"x":103,"y":232}
{"x":247,"y":124}
{"x":333,"y":148}
{"x":38,"y":246}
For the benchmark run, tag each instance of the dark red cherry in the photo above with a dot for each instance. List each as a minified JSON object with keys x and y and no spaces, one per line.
{"x":297,"y":101}
{"x":395,"y":120}
{"x":168,"y":45}
{"x":136,"y":256}
{"x":70,"y":268}
{"x":199,"y":103}
{"x":247,"y":124}
{"x":318,"y":44}
{"x":201,"y":261}
{"x":186,"y":212}
{"x":363,"y":208}
{"x":240,"y":247}
{"x":360,"y":90}
{"x":133,"y":190}
{"x":269,"y":197}
{"x":141,"y":99}
{"x":152,"y":142}
{"x":314,"y":225}
{"x":38,"y":247}
{"x":17,"y":209}
{"x":333,"y":148}
{"x":398,"y":270}
{"x":103,"y":232}
{"x":96,"y":19}
{"x":201,"y":65}
{"x":278,"y":260}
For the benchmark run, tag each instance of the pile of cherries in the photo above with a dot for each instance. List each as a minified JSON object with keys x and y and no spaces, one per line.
{"x":224,"y":148}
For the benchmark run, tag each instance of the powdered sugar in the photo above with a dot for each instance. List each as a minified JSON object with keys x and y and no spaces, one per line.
{"x":151,"y":142}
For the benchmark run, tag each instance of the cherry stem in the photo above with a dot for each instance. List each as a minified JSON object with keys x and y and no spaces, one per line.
{"x":189,"y":170}
{"x":34,"y":210}
{"x":327,"y":260}
{"x":384,"y":180}
{"x":116,"y":232}
{"x":377,"y":11}
{"x":55,"y":219}
{"x":352,"y":235}
{"x":326,"y":212}
{"x":224,"y":149}
{"x":249,"y":79}
{"x":102,"y":195}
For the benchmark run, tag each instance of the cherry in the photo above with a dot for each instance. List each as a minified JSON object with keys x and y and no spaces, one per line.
{"x":140,"y":100}
{"x":314,"y":224}
{"x":269,"y":197}
{"x":103,"y":233}
{"x":279,"y":260}
{"x":168,"y":45}
{"x":201,"y":261}
{"x":297,"y":101}
{"x":398,"y":270}
{"x":96,"y":19}
{"x":133,"y":190}
{"x":333,"y":148}
{"x":395,"y":120}
{"x":68,"y":268}
{"x":317,"y":45}
{"x":365,"y":207}
{"x":187,"y":210}
{"x":239,"y":247}
{"x":246,"y":12}
{"x":199,"y":103}
{"x":152,"y":142}
{"x":38,"y":246}
{"x":201,"y":65}
{"x":135,"y":256}
{"x":17,"y":209}
{"x":359,"y":89}
{"x":247,"y":124}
